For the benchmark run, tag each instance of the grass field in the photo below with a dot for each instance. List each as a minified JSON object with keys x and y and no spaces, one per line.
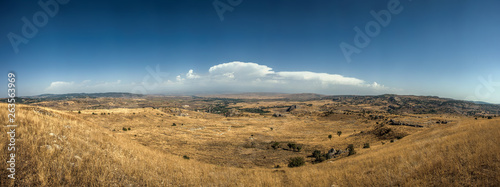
{"x":68,"y":148}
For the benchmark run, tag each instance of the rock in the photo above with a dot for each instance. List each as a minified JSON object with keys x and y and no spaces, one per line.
{"x":78,"y":158}
{"x":48,"y":147}
{"x":57,"y":146}
{"x":51,"y":134}
{"x":278,"y":115}
{"x":293,"y":107}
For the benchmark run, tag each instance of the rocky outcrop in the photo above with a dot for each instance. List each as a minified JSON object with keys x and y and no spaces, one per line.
{"x":293,"y":107}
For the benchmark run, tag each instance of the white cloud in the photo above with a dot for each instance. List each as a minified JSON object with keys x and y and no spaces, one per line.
{"x":87,"y":86}
{"x":179,"y":78}
{"x":234,"y":77}
{"x":252,"y":77}
{"x":240,"y":70}
{"x":60,"y":84}
{"x":323,"y":78}
{"x":191,"y":75}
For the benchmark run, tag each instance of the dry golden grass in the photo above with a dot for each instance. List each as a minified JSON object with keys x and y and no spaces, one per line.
{"x":464,"y":153}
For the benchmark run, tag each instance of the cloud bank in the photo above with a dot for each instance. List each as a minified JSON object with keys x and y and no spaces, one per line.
{"x":232,"y":77}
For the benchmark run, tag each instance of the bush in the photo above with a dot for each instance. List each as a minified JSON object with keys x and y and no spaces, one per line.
{"x":392,"y":141}
{"x":316,"y":154}
{"x":275,"y":145}
{"x":319,"y":160}
{"x":292,"y":146}
{"x":185,"y":157}
{"x":330,"y":136}
{"x":174,"y":124}
{"x":79,"y":112}
{"x":351,"y":150}
{"x":129,"y":128}
{"x":299,"y":148}
{"x":366,"y":145}
{"x":124,"y":129}
{"x":296,"y":162}
{"x":339,"y":133}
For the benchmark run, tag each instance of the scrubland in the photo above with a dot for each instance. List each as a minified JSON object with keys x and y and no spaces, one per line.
{"x":67,"y":148}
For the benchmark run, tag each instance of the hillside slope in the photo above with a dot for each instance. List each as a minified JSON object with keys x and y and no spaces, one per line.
{"x":57,"y":148}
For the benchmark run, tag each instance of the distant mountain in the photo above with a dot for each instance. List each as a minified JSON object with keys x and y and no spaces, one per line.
{"x":482,"y":103}
{"x":400,"y":104}
{"x":84,"y":95}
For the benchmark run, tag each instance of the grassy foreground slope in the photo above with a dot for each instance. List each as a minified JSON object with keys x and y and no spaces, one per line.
{"x":56,"y":148}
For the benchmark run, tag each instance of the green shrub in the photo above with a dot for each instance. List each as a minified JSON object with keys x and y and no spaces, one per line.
{"x":319,"y":159}
{"x":299,"y":148}
{"x":129,"y":128}
{"x":366,"y":145}
{"x":275,"y":145}
{"x":174,"y":124}
{"x":296,"y":162}
{"x":185,"y":157}
{"x":79,"y":112}
{"x":339,"y":133}
{"x":124,"y":129}
{"x":316,"y":154}
{"x":351,"y":150}
{"x":330,"y":136}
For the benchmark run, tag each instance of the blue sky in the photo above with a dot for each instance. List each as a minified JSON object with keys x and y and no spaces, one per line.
{"x":444,"y":48}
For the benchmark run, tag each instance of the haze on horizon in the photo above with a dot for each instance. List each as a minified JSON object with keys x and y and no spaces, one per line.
{"x":446,"y":48}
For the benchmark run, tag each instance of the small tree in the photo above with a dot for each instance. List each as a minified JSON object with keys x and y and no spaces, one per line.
{"x":351,"y":150}
{"x":296,"y":162}
{"x":129,"y":128}
{"x":174,"y":124}
{"x":366,"y":145}
{"x":330,"y":136}
{"x":299,"y":148}
{"x":316,"y":154}
{"x":339,"y":133}
{"x":292,"y":146}
{"x":79,"y":112}
{"x":275,"y":145}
